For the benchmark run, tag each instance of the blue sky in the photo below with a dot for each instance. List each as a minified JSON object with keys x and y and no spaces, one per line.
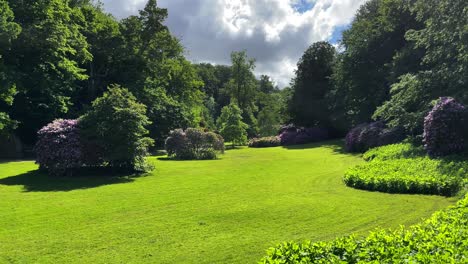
{"x":275,"y":32}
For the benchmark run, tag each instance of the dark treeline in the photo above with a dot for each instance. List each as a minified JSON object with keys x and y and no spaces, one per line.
{"x":58,"y":56}
{"x":397,"y":58}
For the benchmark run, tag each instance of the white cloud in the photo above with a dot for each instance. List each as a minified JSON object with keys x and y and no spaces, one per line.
{"x":272,"y":31}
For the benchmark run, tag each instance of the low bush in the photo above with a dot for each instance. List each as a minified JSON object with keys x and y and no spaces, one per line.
{"x":394,"y":151}
{"x":441,"y":239}
{"x":194,"y":144}
{"x":415,"y":175}
{"x":366,"y":136}
{"x":292,"y":135}
{"x":265,"y":142}
{"x":444,"y":133}
{"x":58,"y":148}
{"x":403,"y":168}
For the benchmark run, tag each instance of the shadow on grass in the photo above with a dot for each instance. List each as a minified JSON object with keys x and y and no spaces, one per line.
{"x":337,"y":145}
{"x":38,"y":181}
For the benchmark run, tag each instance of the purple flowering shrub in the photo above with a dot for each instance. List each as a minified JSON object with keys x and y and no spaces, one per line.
{"x":265,"y":142}
{"x":443,"y":128}
{"x":366,"y":136}
{"x":58,"y":148}
{"x":291,"y":135}
{"x":194,"y":144}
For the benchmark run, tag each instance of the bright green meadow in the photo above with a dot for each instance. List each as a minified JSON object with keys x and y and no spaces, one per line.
{"x":229,"y":210}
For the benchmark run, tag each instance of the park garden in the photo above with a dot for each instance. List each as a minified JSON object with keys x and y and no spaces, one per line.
{"x":117,"y":149}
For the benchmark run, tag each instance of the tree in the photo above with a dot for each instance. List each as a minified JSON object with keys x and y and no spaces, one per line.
{"x":116,"y":124}
{"x":312,"y":82}
{"x":9,"y":30}
{"x":231,"y":126}
{"x":443,"y":69}
{"x":366,"y":69}
{"x":242,"y":88}
{"x":46,"y":58}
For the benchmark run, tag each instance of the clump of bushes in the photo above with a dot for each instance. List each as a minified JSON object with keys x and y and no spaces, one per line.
{"x":265,"y":142}
{"x":292,"y":135}
{"x":366,"y":136}
{"x":444,"y":131}
{"x":194,"y":144}
{"x":402,"y":168}
{"x":58,"y":148}
{"x":111,"y":134}
{"x":440,"y":239}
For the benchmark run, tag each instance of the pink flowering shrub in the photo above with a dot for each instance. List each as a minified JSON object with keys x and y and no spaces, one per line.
{"x":58,"y":148}
{"x":194,"y":144}
{"x":443,"y":128}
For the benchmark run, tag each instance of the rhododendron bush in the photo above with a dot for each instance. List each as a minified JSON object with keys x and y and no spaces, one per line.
{"x":444,"y":128}
{"x":193,"y":144}
{"x":292,"y":135}
{"x":58,"y":148}
{"x":366,"y":136}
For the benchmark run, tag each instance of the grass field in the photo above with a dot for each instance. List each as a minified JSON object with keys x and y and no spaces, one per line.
{"x":225,"y":211}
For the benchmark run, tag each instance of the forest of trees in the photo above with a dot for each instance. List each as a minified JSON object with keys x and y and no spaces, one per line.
{"x":398,"y":56}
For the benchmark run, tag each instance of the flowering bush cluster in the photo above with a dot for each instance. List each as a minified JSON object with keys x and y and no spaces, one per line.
{"x":265,"y":142}
{"x":58,"y":148}
{"x":366,"y":136}
{"x":194,"y":144}
{"x":291,"y":135}
{"x":443,"y":128}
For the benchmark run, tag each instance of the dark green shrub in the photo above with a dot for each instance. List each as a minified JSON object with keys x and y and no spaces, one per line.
{"x":116,"y":126}
{"x":265,"y":142}
{"x":403,"y":168}
{"x":441,"y":239}
{"x":194,"y":144}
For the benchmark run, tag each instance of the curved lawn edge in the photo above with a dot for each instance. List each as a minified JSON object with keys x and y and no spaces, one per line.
{"x":443,"y":238}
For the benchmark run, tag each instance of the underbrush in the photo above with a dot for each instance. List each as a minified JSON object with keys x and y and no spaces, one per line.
{"x":443,"y":238}
{"x":402,"y":168}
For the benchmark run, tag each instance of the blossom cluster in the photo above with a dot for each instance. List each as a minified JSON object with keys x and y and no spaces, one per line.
{"x":58,"y":148}
{"x":444,"y":128}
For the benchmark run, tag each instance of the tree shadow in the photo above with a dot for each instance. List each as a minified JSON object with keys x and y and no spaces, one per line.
{"x":39,"y":181}
{"x":337,"y":145}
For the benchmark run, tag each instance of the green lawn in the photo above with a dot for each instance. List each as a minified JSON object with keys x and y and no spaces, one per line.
{"x":224,"y":211}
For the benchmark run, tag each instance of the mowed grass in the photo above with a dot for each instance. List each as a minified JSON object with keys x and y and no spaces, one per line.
{"x":224,"y":211}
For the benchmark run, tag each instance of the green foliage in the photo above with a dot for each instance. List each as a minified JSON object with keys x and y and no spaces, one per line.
{"x":402,"y":168}
{"x":440,"y":239}
{"x":116,"y":124}
{"x":312,"y":82}
{"x":443,"y":73}
{"x":231,"y":126}
{"x":365,"y":70}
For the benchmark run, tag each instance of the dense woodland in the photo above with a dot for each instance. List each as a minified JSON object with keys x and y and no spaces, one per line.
{"x":396,"y":59}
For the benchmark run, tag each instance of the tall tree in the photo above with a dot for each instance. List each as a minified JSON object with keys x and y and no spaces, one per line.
{"x":363,"y":74}
{"x":46,"y":56}
{"x":444,"y":70}
{"x":231,"y":126}
{"x":242,"y":88}
{"x":9,"y":30}
{"x":312,"y":82}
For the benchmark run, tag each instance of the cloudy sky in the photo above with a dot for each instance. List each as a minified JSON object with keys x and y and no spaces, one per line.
{"x":274,"y":32}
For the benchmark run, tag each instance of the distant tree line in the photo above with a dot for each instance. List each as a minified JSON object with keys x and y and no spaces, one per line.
{"x":58,"y":56}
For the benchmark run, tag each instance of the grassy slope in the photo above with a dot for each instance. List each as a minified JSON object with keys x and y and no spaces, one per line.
{"x":224,"y":211}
